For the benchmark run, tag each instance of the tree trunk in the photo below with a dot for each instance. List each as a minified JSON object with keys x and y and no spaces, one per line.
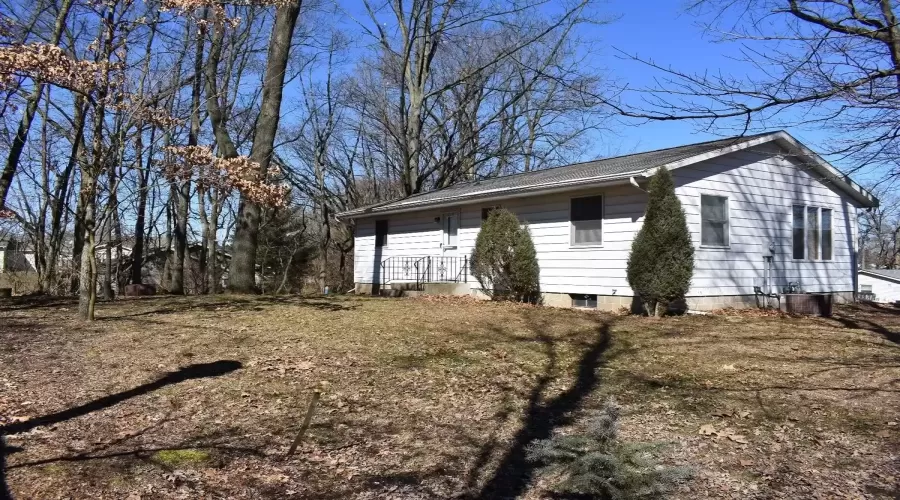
{"x":87,"y":275}
{"x":212,"y":258}
{"x":180,"y":197}
{"x":137,"y":251}
{"x":242,"y":278}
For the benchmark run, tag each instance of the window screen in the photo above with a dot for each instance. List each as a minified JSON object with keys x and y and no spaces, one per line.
{"x":826,"y":234}
{"x":799,"y":231}
{"x":587,"y":220}
{"x":381,"y":230}
{"x":714,"y":220}
{"x":812,"y":233}
{"x":584,"y":300}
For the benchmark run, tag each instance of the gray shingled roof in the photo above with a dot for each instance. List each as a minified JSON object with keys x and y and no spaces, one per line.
{"x":607,"y":169}
{"x":891,"y":274}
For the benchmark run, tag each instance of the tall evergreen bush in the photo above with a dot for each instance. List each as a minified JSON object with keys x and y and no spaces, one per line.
{"x":661,"y":262}
{"x":504,"y":260}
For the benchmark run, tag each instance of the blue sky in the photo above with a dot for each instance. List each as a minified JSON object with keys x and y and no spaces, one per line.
{"x":665,"y":32}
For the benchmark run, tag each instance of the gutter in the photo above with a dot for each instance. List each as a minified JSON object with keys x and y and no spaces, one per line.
{"x":872,"y":274}
{"x":497,"y":194}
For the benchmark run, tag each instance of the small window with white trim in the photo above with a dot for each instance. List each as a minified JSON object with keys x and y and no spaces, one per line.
{"x":714,"y":231}
{"x":586,"y":216}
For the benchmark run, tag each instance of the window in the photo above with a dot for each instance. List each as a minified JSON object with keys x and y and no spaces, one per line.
{"x":812,"y":228}
{"x":587,"y":221}
{"x":812,"y":233}
{"x":381,"y":232}
{"x":713,"y":221}
{"x":826,"y":234}
{"x":451,"y":230}
{"x":799,"y":231}
{"x":865,"y":288}
{"x":584,"y":300}
{"x":486,"y":211}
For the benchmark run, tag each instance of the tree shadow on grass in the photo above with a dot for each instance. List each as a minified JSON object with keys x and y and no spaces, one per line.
{"x":867,"y":324}
{"x":174,"y":305}
{"x":195,"y":371}
{"x":514,"y":473}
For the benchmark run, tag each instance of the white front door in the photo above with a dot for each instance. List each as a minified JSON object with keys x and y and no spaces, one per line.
{"x":450,"y":236}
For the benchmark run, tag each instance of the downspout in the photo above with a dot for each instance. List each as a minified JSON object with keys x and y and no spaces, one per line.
{"x":634,"y":182}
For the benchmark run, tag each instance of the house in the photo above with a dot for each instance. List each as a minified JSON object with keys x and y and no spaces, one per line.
{"x":880,"y":285}
{"x":16,"y":256}
{"x":766,"y":214}
{"x":154,"y":269}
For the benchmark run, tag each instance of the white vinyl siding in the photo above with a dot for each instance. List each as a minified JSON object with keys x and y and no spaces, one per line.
{"x":761,"y":189}
{"x":886,"y":291}
{"x":762,"y":186}
{"x":564,"y":268}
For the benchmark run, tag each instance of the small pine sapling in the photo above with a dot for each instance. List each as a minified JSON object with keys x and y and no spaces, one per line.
{"x":597,"y":463}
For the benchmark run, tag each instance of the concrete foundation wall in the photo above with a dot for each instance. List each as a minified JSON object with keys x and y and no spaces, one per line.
{"x":448,"y":289}
{"x":612,"y":302}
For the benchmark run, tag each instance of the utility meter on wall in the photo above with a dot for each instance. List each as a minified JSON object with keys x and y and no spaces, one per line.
{"x":770,"y":249}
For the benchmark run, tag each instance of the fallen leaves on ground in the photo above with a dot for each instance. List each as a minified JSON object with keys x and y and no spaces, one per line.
{"x":423,"y":398}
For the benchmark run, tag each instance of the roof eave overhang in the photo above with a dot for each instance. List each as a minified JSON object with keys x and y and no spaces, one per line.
{"x":830,"y":174}
{"x":872,"y":274}
{"x":496,"y":195}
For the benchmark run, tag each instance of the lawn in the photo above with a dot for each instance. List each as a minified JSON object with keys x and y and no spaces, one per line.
{"x":434,"y":398}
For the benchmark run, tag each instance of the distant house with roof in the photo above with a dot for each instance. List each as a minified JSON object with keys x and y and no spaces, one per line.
{"x":880,"y":285}
{"x":16,"y":256}
{"x":767,"y":215}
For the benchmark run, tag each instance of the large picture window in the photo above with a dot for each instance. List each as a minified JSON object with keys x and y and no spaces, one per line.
{"x":714,"y":221}
{"x":587,"y":221}
{"x":812,"y":233}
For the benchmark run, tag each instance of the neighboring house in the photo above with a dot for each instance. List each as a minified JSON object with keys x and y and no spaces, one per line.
{"x":154,"y":268}
{"x":752,"y":203}
{"x":879,"y":285}
{"x":16,"y":256}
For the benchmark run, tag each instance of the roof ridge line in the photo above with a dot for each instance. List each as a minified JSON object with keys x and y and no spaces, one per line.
{"x":734,"y":137}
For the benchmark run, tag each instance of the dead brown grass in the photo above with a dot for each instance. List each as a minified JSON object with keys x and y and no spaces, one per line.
{"x":433,"y":398}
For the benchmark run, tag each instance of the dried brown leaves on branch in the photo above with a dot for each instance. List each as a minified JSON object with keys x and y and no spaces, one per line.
{"x":241,"y":173}
{"x":50,"y":64}
{"x":217,"y":8}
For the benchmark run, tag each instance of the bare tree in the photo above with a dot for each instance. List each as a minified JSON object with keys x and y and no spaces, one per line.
{"x":242,"y":274}
{"x":831,"y":64}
